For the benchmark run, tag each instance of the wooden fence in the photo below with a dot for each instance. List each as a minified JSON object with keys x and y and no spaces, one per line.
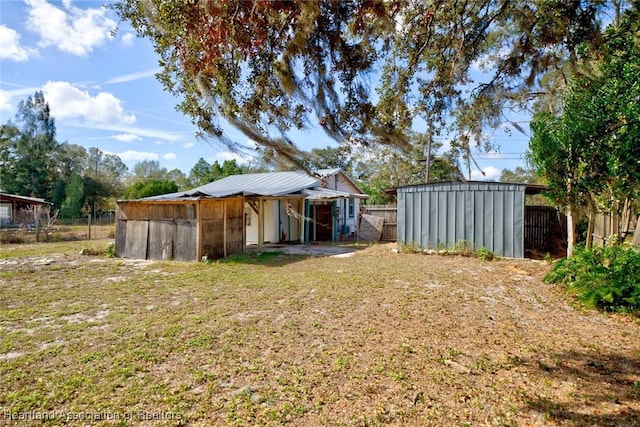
{"x":390,"y":215}
{"x":544,"y":231}
{"x":618,"y":224}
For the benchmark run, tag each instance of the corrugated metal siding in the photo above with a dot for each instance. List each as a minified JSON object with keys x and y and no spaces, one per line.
{"x":489,"y":215}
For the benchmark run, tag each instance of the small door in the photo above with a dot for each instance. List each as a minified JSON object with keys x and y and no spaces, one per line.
{"x":324,"y":222}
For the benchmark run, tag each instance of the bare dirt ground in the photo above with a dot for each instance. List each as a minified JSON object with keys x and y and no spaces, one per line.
{"x":374,"y":338}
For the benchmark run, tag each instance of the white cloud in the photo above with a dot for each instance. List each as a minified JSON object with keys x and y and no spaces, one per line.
{"x":133,"y":76}
{"x":10,"y":46}
{"x":72,"y":30}
{"x":169,"y":156}
{"x":490,"y":174}
{"x":141,"y":132}
{"x":494,"y":155}
{"x":136,"y":156}
{"x":127,"y":39}
{"x":5,"y":101}
{"x":70,"y":103}
{"x":7,"y":95}
{"x":127,"y":137}
{"x":188,"y":145}
{"x":228,"y":155}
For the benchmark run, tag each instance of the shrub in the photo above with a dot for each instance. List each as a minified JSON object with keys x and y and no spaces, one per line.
{"x":605,"y":278}
{"x":110,"y":250}
{"x":463,"y":247}
{"x":485,"y":254}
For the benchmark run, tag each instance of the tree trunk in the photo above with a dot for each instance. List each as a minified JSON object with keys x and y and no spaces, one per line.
{"x":636,"y":234}
{"x":37,"y":212}
{"x":571,"y":232}
{"x":626,"y":220}
{"x":592,"y":219}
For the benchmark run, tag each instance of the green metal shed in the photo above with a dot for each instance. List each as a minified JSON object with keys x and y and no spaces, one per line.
{"x":484,"y":214}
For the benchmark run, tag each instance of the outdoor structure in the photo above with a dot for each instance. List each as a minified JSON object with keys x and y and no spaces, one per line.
{"x":218,"y":219}
{"x":487,"y":215}
{"x":19,"y":211}
{"x":185,"y":229}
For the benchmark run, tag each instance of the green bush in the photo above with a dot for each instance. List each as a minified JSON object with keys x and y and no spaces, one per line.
{"x":605,"y":278}
{"x":484,"y":254}
{"x":110,"y":250}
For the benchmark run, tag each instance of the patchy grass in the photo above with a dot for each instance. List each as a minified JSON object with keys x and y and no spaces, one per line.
{"x":379,"y":338}
{"x":57,"y":233}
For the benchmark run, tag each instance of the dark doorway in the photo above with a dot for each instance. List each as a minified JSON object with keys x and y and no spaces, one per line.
{"x":324,"y":222}
{"x":544,"y":232}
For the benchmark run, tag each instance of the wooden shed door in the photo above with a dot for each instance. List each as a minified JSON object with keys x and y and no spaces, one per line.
{"x":324,"y":222}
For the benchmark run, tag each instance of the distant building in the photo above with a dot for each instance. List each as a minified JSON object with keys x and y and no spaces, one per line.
{"x":220,"y":218}
{"x":18,"y":210}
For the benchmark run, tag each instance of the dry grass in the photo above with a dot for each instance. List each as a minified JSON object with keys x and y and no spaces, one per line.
{"x":379,"y":338}
{"x":57,"y":233}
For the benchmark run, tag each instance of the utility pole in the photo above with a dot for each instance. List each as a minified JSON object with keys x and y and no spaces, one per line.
{"x":94,"y":196}
{"x":428,"y":162}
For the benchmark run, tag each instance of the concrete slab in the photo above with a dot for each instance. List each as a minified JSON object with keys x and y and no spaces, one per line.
{"x":308,"y":250}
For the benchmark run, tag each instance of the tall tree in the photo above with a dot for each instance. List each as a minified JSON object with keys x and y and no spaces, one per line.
{"x":382,"y":169}
{"x":149,"y":170}
{"x":363,"y":70}
{"x":519,"y":175}
{"x":330,"y":157}
{"x":203,"y":172}
{"x":30,"y":167}
{"x":589,"y":153}
{"x":8,"y":139}
{"x":74,"y":200}
{"x":227,"y":168}
{"x":200,"y":173}
{"x":181,"y":180}
{"x":150,"y":188}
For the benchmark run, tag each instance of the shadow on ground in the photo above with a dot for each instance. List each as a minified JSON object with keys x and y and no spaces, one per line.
{"x":279,"y":254}
{"x":607,"y":389}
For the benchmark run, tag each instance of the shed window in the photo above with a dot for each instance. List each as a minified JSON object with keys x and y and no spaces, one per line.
{"x":5,"y":211}
{"x":352,"y":207}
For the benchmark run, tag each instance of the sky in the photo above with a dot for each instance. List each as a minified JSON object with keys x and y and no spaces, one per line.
{"x":102,"y":91}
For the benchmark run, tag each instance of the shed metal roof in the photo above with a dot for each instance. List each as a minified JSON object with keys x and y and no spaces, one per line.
{"x":269,"y":184}
{"x":258,"y":184}
{"x":326,"y":193}
{"x":5,"y":197}
{"x":471,"y":186}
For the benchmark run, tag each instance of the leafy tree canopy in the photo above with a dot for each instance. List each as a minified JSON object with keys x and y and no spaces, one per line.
{"x":589,"y":153}
{"x":519,"y":175}
{"x":29,"y":150}
{"x":364,"y":70}
{"x":150,"y":188}
{"x":203,"y":173}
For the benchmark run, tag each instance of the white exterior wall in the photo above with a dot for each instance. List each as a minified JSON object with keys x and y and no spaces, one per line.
{"x":5,"y":212}
{"x":270,"y":223}
{"x":290,"y":224}
{"x":341,"y":183}
{"x":343,"y":215}
{"x":275,"y":211}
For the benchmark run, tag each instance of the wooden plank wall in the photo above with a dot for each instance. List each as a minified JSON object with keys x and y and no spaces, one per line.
{"x":136,"y":239}
{"x":235,"y":226}
{"x":390,"y":215}
{"x":222,"y":225}
{"x":185,"y":241}
{"x":163,"y":230}
{"x":158,"y":231}
{"x":161,"y":235}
